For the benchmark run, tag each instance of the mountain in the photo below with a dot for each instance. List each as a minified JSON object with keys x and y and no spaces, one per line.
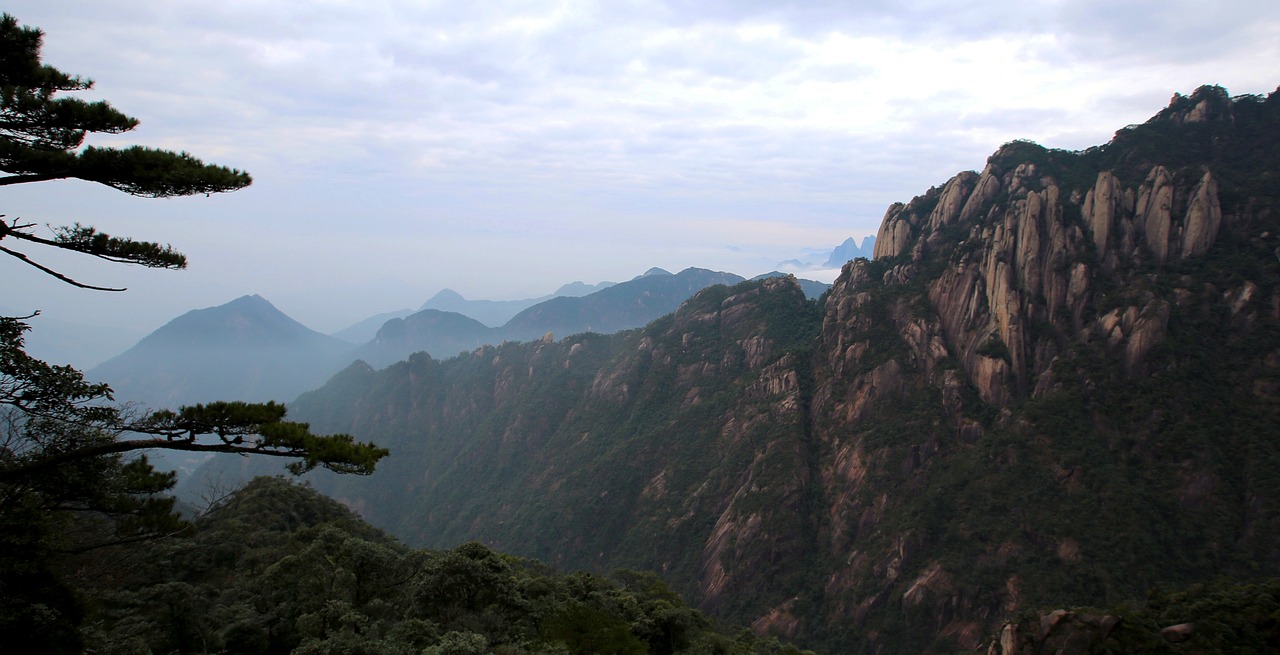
{"x":243,"y":350}
{"x":580,"y":288}
{"x":849,"y":251}
{"x":620,"y":307}
{"x":494,"y":313}
{"x":816,"y":259}
{"x":1057,"y":384}
{"x":491,"y":313}
{"x":443,"y":334}
{"x":362,"y":331}
{"x":616,"y":307}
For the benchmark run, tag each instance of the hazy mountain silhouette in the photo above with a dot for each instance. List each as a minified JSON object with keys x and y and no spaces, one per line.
{"x":616,"y":307}
{"x":362,"y":331}
{"x":850,"y":250}
{"x":495,"y":313}
{"x":243,"y":350}
{"x":440,"y":333}
{"x":620,"y":307}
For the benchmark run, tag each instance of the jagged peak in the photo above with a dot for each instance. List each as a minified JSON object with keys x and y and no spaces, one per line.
{"x":1210,"y":102}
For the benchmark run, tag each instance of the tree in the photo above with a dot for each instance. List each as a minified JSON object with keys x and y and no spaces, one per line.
{"x":56,"y":418}
{"x":61,"y":418}
{"x":66,"y":485}
{"x":40,"y":140}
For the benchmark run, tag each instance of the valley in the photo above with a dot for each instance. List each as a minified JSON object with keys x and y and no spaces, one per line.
{"x":1054,"y":385}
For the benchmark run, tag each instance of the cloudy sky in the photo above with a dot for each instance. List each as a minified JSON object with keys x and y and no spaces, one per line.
{"x":503,"y":148}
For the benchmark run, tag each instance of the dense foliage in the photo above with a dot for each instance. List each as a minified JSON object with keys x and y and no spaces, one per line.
{"x":278,"y":568}
{"x":1220,"y":616}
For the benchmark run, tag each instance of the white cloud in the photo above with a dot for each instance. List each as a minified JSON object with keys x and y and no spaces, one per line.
{"x":441,"y":139}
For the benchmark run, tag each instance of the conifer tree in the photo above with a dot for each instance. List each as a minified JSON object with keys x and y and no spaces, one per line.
{"x":41,"y":139}
{"x":68,"y":480}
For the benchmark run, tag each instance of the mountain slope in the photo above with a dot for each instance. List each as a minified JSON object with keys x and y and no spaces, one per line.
{"x":616,"y":307}
{"x":812,"y":288}
{"x":243,"y":350}
{"x":619,"y":307}
{"x":430,"y":330}
{"x":365,"y":330}
{"x":495,"y":313}
{"x":1058,"y":383}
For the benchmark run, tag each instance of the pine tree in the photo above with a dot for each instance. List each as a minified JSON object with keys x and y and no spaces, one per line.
{"x":41,"y":139}
{"x":69,"y":480}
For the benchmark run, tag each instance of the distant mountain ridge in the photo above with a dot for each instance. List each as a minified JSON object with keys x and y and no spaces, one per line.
{"x":247,"y":349}
{"x":850,"y":250}
{"x":495,"y":313}
{"x":364,"y":330}
{"x":617,"y":307}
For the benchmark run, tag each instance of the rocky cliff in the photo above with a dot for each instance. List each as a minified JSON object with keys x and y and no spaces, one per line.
{"x":1056,"y":384}
{"x":1057,"y":379}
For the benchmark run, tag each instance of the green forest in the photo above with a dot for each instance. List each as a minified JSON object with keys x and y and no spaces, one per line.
{"x":278,"y":568}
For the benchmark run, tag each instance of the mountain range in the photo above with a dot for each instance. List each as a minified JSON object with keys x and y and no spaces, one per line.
{"x":622,"y":306}
{"x":490,"y":313}
{"x":495,"y":313}
{"x":249,"y":350}
{"x":1056,"y":384}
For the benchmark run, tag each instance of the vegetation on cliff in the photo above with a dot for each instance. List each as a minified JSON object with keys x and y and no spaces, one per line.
{"x":1056,"y":384}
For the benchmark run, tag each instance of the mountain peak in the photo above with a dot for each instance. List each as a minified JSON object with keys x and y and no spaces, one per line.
{"x":249,"y":318}
{"x":445,"y":296}
{"x":1207,"y":103}
{"x":254,"y":301}
{"x":246,"y":348}
{"x":578,"y":288}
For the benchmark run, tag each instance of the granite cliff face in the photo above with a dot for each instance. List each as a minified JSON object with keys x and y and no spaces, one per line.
{"x":1018,"y":323}
{"x":1058,"y":383}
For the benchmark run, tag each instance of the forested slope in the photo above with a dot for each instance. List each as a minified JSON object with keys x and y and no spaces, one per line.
{"x":278,"y":568}
{"x":1058,"y":383}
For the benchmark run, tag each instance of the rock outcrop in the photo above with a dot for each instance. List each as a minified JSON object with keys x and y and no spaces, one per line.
{"x":1050,"y":279}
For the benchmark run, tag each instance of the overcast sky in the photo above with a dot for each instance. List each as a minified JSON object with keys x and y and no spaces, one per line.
{"x":504,"y":148}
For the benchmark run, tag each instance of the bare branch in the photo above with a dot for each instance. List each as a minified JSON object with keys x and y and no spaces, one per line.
{"x":32,"y":177}
{"x":54,"y":273}
{"x":52,"y":461}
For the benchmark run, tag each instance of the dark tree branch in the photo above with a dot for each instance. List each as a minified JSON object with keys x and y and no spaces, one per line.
{"x":12,"y":473}
{"x":54,"y":273}
{"x":21,"y":179}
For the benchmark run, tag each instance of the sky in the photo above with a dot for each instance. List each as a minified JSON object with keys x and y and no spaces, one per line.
{"x":502,"y":149}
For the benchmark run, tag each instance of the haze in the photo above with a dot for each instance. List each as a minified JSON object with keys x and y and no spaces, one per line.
{"x":502,"y":149}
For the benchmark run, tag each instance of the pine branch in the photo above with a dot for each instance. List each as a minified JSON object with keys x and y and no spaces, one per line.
{"x":56,"y":274}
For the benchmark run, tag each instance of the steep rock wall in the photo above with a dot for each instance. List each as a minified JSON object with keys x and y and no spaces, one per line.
{"x":1031,"y":284}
